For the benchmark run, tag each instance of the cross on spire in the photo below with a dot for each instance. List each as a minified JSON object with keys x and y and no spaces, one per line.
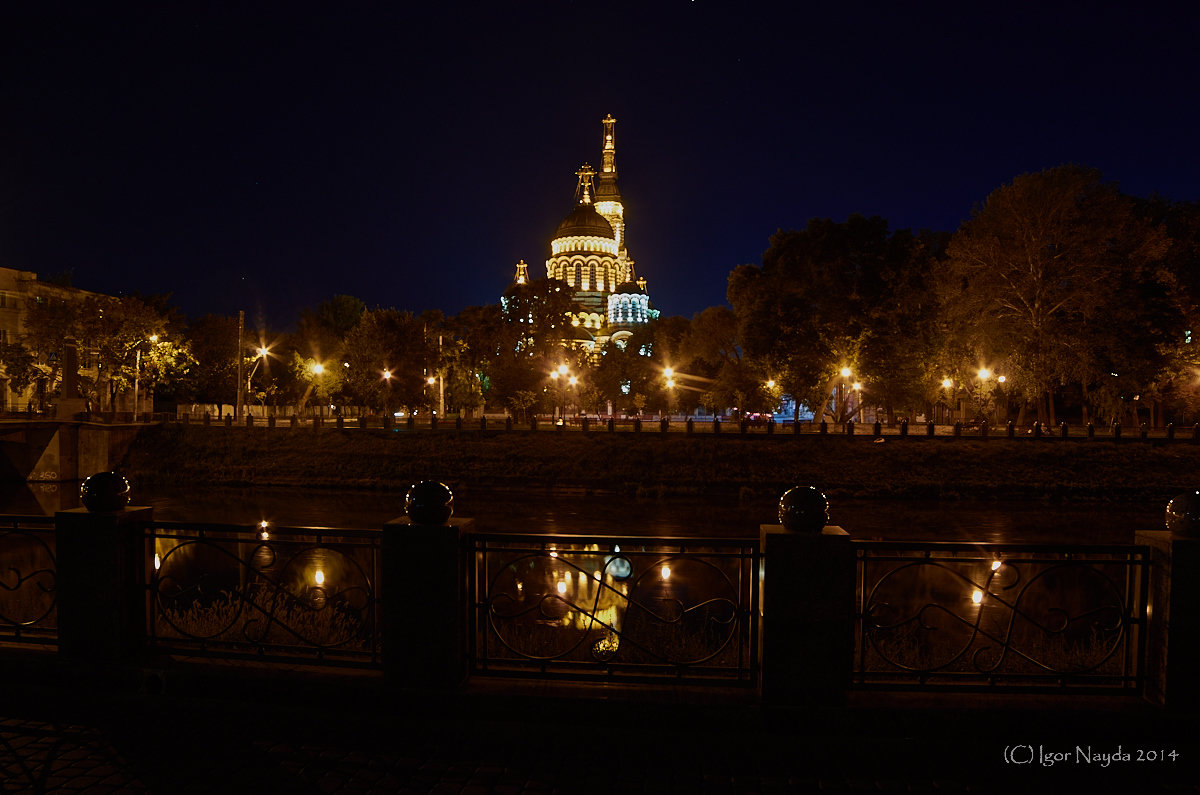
{"x":583,"y":191}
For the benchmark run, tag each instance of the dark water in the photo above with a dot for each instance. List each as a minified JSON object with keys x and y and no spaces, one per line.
{"x":543,"y":512}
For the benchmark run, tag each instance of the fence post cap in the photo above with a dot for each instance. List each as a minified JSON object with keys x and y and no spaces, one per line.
{"x":803,"y":509}
{"x":429,"y":502}
{"x":104,"y":492}
{"x":1183,"y":514}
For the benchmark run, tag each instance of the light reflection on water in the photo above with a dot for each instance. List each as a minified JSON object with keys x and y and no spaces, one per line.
{"x":542,"y":512}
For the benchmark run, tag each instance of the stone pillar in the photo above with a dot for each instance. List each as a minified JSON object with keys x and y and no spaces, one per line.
{"x":425,"y":603}
{"x":1172,"y":619}
{"x":807,"y":603}
{"x":101,"y":583}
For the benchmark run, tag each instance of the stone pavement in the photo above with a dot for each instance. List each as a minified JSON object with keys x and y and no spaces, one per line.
{"x":278,"y":732}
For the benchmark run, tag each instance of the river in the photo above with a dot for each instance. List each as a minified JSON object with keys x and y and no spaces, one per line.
{"x":546,"y":512}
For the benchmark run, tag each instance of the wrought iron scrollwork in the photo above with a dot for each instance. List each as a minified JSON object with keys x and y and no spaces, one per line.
{"x":1007,"y":617}
{"x":28,"y":583}
{"x":276,"y":595}
{"x":581,"y":605}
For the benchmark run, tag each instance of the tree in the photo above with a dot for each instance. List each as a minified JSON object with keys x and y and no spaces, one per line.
{"x":820,"y":296}
{"x":1039,"y":269}
{"x":213,"y":340}
{"x":899,"y":349}
{"x":20,"y":366}
{"x":386,"y":352}
{"x":480,"y":332}
{"x":536,"y":313}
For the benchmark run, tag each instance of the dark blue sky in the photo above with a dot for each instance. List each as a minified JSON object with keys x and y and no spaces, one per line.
{"x":266,"y":161}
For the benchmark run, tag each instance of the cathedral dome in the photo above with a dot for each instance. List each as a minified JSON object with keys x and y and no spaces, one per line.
{"x":584,"y":221}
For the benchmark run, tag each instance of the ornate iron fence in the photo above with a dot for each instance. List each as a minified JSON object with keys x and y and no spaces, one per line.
{"x":303,"y":595}
{"x":937,"y":614}
{"x":28,"y":580}
{"x":615,"y":607}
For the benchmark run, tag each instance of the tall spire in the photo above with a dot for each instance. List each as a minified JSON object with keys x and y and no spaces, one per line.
{"x":606,"y":184}
{"x":608,"y":197}
{"x":609,"y":165}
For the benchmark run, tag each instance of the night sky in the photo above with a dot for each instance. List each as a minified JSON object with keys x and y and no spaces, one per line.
{"x":267,"y":161}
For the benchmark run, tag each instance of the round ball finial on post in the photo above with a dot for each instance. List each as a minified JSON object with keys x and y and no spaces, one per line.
{"x":803,"y":509}
{"x":1183,"y":514}
{"x":429,"y":503}
{"x":104,"y":492}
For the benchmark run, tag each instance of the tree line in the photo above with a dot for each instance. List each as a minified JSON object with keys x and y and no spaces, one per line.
{"x":1059,"y":297}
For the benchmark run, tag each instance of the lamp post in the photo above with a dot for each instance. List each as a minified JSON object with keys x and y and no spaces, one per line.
{"x":258,"y":359}
{"x":843,"y":398}
{"x":563,"y":372}
{"x":947,"y":386}
{"x":241,"y":351}
{"x":137,"y":374}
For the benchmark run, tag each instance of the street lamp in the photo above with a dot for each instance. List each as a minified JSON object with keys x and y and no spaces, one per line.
{"x":259,"y":358}
{"x":137,"y":374}
{"x":562,"y":371}
{"x":843,"y":398}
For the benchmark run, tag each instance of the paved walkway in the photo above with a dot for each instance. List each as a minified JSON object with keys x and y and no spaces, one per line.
{"x":325,"y":734}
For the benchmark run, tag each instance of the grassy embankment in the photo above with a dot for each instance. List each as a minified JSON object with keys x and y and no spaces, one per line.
{"x":651,"y":464}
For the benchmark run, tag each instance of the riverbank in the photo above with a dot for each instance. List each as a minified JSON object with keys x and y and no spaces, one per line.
{"x":654,"y":464}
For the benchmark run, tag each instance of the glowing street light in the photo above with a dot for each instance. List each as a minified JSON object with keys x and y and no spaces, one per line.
{"x":947,"y":383}
{"x":259,"y":358}
{"x":846,"y":372}
{"x":318,"y":368}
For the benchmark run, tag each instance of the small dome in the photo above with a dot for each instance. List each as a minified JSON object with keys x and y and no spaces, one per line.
{"x":584,"y":221}
{"x":629,"y":288}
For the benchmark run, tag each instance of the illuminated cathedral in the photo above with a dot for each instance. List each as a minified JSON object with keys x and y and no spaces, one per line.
{"x":588,"y":252}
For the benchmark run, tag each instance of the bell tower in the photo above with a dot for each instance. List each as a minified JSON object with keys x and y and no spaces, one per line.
{"x":608,"y":196}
